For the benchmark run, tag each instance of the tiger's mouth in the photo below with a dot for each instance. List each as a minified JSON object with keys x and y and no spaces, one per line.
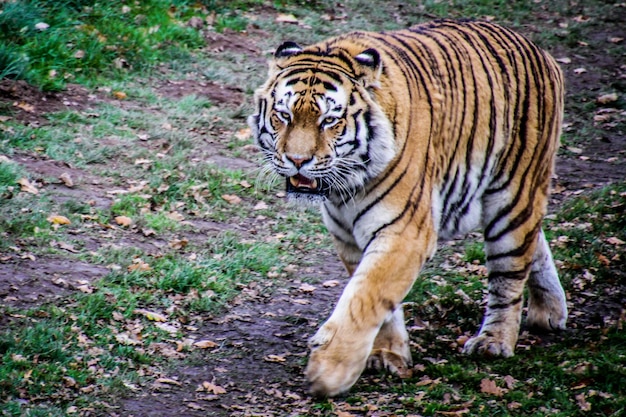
{"x":303,"y":185}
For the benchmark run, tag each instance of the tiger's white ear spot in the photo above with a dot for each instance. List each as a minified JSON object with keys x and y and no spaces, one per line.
{"x":369,"y":58}
{"x":287,"y":49}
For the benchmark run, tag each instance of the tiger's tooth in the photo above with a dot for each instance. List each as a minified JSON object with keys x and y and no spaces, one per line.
{"x":314,"y":184}
{"x":294,"y":181}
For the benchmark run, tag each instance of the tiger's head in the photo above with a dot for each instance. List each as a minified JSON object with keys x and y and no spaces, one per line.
{"x":317,"y":121}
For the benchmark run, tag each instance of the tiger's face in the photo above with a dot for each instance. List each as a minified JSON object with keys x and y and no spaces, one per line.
{"x":319,"y":128}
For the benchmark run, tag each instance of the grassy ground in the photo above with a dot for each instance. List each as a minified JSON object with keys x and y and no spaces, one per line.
{"x":131,"y":217}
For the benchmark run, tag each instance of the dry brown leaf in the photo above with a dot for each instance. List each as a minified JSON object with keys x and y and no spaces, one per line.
{"x":176,"y":216}
{"x":459,"y":412}
{"x":231,"y":198}
{"x":56,"y":219}
{"x":580,"y":70}
{"x":151,"y":315}
{"x":178,"y":243}
{"x":25,"y":106}
{"x":607,"y":98}
{"x":124,"y":221}
{"x":243,"y":134}
{"x":120,"y":95}
{"x":27,"y":186}
{"x":487,"y":386}
{"x":169,"y":381}
{"x":212,"y":388}
{"x":261,"y":205}
{"x":582,"y":402}
{"x":205,"y":344}
{"x":564,"y":60}
{"x":68,"y":247}
{"x":615,"y":241}
{"x":287,"y":18}
{"x":274,"y":358}
{"x":615,"y":39}
{"x":330,"y":283}
{"x":67,"y":179}
{"x":307,"y":288}
{"x":139,"y":265}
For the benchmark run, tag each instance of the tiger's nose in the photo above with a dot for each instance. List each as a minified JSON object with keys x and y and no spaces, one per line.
{"x":298,"y":160}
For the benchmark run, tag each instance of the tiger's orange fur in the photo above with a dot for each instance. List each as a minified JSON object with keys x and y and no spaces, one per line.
{"x":407,"y":137}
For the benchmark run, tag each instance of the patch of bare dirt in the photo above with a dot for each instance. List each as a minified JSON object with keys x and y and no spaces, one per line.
{"x":221,"y":95}
{"x":262,"y":346}
{"x":29,"y":281}
{"x":30,"y":105}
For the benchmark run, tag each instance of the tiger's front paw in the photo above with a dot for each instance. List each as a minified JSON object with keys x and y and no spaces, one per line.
{"x":335,"y":362}
{"x":487,"y":344}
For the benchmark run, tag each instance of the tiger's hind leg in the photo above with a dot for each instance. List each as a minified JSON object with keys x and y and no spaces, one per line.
{"x":391,"y":347}
{"x":547,"y":307}
{"x":509,"y":247}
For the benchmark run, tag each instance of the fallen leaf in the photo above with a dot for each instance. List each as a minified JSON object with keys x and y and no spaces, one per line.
{"x":232,"y":199}
{"x":125,"y":339}
{"x":330,"y":283}
{"x":245,"y":133}
{"x":151,"y":315}
{"x":510,"y":381}
{"x":178,"y":243}
{"x":245,"y":184}
{"x":287,"y":18}
{"x":615,"y":39}
{"x":212,"y":388}
{"x":274,"y":358}
{"x":564,"y":60}
{"x":168,"y":381}
{"x":176,"y":216}
{"x":67,"y":179}
{"x":579,"y":71}
{"x":25,"y":106}
{"x":139,"y":265}
{"x":124,"y":221}
{"x":120,"y":95}
{"x":458,"y":412}
{"x":261,"y":205}
{"x":56,"y":219}
{"x":607,"y":98}
{"x":68,"y":247}
{"x":615,"y":241}
{"x":582,"y":402}
{"x":307,"y":288}
{"x":205,"y":344}
{"x":487,"y":386}
{"x":27,"y":186}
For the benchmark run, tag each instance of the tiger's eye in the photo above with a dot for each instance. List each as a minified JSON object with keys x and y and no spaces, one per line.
{"x":285,"y":116}
{"x":329,"y":121}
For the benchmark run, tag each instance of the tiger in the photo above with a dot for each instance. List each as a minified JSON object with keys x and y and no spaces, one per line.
{"x":410,"y":137}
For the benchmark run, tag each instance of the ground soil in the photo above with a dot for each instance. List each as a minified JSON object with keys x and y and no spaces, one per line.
{"x":257,"y":326}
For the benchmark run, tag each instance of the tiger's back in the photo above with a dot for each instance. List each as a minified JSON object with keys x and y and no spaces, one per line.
{"x":410,"y":136}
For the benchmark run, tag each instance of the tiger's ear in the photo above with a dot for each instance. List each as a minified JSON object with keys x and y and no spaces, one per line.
{"x":287,"y":49}
{"x":370,"y":66}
